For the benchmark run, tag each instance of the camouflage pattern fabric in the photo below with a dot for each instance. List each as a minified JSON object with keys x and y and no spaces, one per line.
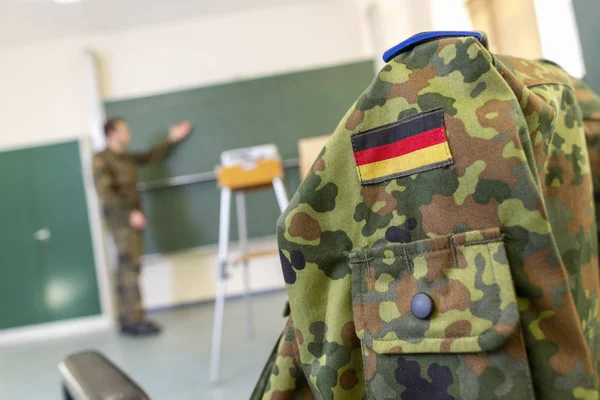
{"x":129,"y":298}
{"x":286,"y":365}
{"x":590,"y":107}
{"x":503,"y":240}
{"x":115,"y":176}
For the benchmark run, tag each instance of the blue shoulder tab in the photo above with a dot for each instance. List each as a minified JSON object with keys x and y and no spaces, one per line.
{"x":426,"y":36}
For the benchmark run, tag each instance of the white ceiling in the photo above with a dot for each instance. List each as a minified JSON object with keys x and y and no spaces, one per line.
{"x":26,"y":21}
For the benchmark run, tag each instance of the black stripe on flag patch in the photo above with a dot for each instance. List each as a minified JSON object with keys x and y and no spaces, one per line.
{"x":400,"y":130}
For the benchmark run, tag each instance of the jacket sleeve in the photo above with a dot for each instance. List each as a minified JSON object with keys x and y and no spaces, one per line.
{"x":590,"y":107}
{"x":156,"y":154}
{"x":113,"y":203}
{"x":282,"y":377}
{"x":367,"y":232}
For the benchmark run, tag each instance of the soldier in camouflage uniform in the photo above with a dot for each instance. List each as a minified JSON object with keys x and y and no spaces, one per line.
{"x":115,"y":175}
{"x":444,"y":245}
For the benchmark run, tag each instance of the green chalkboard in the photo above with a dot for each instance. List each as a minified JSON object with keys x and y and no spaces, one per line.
{"x":586,"y":14}
{"x":279,"y":109}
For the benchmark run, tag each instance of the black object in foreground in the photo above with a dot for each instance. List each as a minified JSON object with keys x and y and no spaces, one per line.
{"x":91,"y":376}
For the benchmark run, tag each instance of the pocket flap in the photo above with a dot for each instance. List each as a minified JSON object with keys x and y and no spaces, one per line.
{"x":468,"y":279}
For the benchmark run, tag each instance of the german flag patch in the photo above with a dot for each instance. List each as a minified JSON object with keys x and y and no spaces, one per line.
{"x":412,"y":145}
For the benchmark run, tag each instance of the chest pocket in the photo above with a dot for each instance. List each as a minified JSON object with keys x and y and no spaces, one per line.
{"x":437,"y":318}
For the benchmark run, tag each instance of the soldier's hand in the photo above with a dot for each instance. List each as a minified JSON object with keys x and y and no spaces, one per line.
{"x":137,"y":220}
{"x":179,"y":131}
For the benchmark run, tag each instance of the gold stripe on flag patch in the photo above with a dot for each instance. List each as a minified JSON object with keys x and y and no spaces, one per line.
{"x":410,"y":162}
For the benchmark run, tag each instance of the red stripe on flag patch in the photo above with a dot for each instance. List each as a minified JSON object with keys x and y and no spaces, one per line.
{"x":401,"y":147}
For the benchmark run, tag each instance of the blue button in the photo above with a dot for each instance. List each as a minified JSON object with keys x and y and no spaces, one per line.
{"x":421,"y":306}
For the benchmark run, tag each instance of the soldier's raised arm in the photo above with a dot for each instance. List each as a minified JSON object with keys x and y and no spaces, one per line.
{"x":154,"y":155}
{"x":177,"y":133}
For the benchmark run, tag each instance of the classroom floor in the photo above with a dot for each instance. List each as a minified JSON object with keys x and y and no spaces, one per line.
{"x":172,"y":366}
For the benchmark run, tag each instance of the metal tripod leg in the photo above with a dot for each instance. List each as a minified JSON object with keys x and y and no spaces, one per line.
{"x":282,"y":198}
{"x":215,"y":359}
{"x":243,"y":243}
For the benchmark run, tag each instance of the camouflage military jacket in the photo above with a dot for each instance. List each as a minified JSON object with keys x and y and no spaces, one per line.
{"x":444,"y":245}
{"x":115,"y":176}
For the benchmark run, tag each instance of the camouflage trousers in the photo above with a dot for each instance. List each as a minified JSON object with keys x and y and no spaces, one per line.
{"x":129,"y":298}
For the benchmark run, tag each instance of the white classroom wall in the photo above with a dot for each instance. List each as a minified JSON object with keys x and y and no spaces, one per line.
{"x":231,"y":47}
{"x":560,"y":45}
{"x":43,"y":84}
